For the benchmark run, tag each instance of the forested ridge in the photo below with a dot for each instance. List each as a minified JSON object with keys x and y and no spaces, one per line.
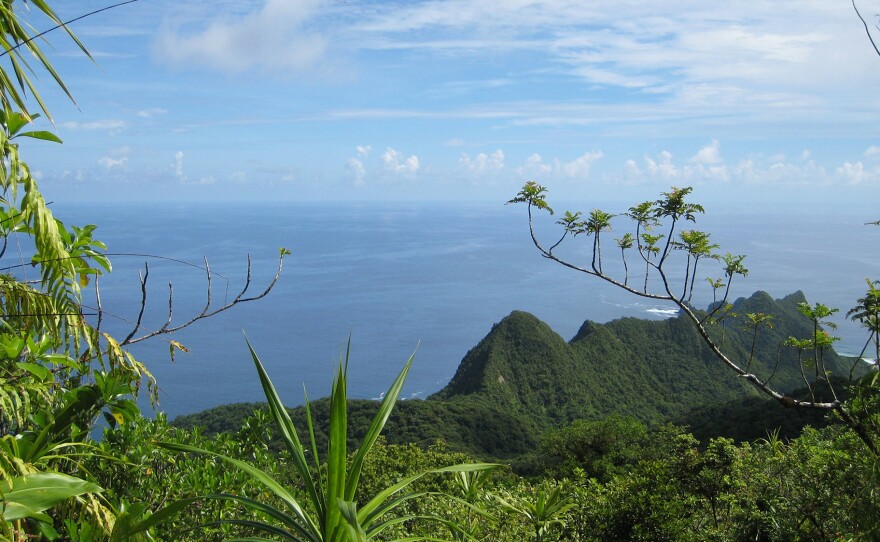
{"x":523,"y":378}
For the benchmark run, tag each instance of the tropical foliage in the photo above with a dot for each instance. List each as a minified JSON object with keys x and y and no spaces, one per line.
{"x":59,"y":372}
{"x":332,"y":509}
{"x":595,"y":473}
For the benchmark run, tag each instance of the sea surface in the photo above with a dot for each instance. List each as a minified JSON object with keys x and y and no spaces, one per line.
{"x":398,"y":279}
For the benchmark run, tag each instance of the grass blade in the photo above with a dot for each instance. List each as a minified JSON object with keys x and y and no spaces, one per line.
{"x":288,"y":433}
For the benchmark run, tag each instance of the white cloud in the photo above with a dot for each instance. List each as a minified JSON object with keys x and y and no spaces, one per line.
{"x":115,"y":158}
{"x":361,"y":167}
{"x":110,"y":163}
{"x":755,"y":169}
{"x":852,"y":173}
{"x":705,"y":165}
{"x":357,"y":170}
{"x":355,"y":165}
{"x":579,"y":168}
{"x":762,"y":66}
{"x":151,"y":112}
{"x":873,"y":150}
{"x":77,"y":176}
{"x":396,"y":162}
{"x":274,"y":38}
{"x":534,"y":168}
{"x":104,"y":124}
{"x":483,"y":163}
{"x":709,"y":154}
{"x":663,"y":167}
{"x":177,"y":166}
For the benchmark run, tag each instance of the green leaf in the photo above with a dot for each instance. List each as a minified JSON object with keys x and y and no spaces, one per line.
{"x":14,"y":121}
{"x":41,"y":134}
{"x":28,"y":495}
{"x":37,"y":370}
{"x":375,"y":428}
{"x":348,"y":510}
{"x":288,"y":433}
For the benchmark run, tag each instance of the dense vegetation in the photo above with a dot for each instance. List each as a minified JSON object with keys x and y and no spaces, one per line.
{"x":588,"y":419}
{"x":523,"y":379}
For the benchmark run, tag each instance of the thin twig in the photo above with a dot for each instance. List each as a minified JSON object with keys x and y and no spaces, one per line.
{"x":63,"y":25}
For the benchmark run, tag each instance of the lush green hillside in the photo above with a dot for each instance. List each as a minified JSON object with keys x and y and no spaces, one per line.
{"x":523,"y":378}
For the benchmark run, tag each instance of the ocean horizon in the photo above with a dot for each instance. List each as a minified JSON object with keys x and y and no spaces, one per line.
{"x":404,"y":278}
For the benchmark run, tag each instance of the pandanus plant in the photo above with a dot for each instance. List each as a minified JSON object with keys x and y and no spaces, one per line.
{"x":329,"y":512}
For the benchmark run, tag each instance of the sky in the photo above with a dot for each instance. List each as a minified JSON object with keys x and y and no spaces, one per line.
{"x":764,"y":105}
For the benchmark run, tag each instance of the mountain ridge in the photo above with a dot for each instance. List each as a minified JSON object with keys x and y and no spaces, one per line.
{"x":523,"y":378}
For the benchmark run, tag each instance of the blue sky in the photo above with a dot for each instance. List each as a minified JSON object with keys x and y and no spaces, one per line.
{"x":753,"y":103}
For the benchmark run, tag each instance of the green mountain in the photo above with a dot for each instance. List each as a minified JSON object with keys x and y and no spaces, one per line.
{"x":523,"y":378}
{"x":651,"y":370}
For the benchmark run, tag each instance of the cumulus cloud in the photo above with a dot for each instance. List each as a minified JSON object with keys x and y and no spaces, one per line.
{"x":391,"y":163}
{"x":355,"y":165}
{"x":396,"y":162}
{"x":111,"y":163}
{"x":756,"y":169}
{"x":705,"y":165}
{"x":274,"y":38}
{"x":852,"y":173}
{"x":804,"y":171}
{"x":663,"y":167}
{"x":177,"y":169}
{"x":115,"y":158}
{"x":534,"y":168}
{"x":709,"y":154}
{"x":579,"y":168}
{"x":177,"y":166}
{"x":483,"y":163}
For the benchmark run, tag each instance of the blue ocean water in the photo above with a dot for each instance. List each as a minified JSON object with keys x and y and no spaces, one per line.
{"x":404,"y":278}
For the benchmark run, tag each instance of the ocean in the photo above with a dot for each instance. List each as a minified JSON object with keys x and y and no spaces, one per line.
{"x":398,"y":279}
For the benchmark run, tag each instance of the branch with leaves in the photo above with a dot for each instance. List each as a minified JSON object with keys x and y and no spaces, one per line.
{"x":657,"y":235}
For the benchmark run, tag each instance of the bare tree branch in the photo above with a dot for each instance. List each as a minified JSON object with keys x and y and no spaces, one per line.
{"x":867,"y":30}
{"x":208,"y":311}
